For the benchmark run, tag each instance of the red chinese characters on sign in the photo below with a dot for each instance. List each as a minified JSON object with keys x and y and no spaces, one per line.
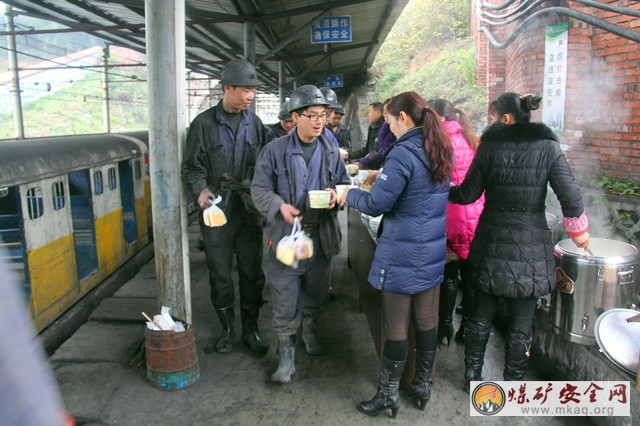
{"x":539,"y":393}
{"x":569,"y":394}
{"x":591,"y":391}
{"x":619,"y":391}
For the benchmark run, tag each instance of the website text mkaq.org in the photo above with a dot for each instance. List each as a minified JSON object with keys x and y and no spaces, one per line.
{"x":554,"y":398}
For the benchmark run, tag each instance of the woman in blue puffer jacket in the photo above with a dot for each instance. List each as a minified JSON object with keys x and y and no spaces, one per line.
{"x":408,"y":263}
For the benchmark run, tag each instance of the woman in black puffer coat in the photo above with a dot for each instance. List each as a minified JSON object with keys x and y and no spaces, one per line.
{"x":512,"y":252}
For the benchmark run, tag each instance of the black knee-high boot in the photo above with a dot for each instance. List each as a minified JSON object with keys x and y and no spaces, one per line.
{"x":420,"y":390}
{"x":475,"y":345}
{"x":517,"y":352}
{"x":448,"y":295}
{"x":386,"y":398}
{"x":468,"y":300}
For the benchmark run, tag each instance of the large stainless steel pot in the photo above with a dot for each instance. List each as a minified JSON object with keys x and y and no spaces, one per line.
{"x":587,"y":285}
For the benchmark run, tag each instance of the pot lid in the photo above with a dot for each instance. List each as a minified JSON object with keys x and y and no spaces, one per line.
{"x":618,"y":339}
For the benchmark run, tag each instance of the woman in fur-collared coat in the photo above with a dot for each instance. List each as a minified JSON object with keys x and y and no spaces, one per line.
{"x":512,"y":252}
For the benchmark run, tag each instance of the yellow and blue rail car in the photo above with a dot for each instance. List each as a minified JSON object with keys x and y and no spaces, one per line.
{"x":72,"y":209}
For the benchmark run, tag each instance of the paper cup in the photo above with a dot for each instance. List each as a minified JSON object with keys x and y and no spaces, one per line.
{"x":340,"y":189}
{"x":352,"y":169}
{"x":362,"y":175}
{"x":344,"y":153}
{"x":319,"y":199}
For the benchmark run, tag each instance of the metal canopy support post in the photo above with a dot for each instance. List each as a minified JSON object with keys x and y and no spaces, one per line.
{"x":250,"y":50}
{"x":165,"y":40}
{"x":282,"y":80}
{"x":250,"y":41}
{"x":18,"y":124}
{"x":106,"y":119}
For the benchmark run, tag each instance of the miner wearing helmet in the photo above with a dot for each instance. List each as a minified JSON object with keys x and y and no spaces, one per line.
{"x":332,"y":100}
{"x":284,"y":126}
{"x":288,"y":168}
{"x":222,"y":146}
{"x":340,"y":132}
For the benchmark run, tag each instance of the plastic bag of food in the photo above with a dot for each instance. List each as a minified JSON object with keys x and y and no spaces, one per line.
{"x":213,"y":216}
{"x":303,"y":246}
{"x":286,"y":249}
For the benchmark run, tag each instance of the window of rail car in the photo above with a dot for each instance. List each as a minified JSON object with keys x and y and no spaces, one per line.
{"x":136,"y":170}
{"x":57,"y":191}
{"x":35,"y":205}
{"x":112,"y":178}
{"x":98,"y":184}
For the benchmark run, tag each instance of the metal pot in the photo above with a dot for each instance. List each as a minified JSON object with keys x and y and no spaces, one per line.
{"x":589,"y":284}
{"x":619,"y":338}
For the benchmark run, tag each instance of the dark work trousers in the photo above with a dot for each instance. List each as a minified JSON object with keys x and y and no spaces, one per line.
{"x":519,"y":311}
{"x":244,"y":238}
{"x":297,"y":291}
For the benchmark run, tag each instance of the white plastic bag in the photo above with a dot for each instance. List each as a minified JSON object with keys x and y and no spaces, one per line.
{"x":303,"y":246}
{"x":295,"y":247}
{"x":213,"y":216}
{"x":286,"y":249}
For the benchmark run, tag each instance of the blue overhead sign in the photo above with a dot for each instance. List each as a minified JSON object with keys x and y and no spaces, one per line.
{"x":332,"y":29}
{"x":333,"y":81}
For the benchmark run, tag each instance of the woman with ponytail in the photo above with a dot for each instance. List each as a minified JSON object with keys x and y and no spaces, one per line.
{"x":461,"y":222}
{"x":512,"y":253}
{"x":408,"y":263}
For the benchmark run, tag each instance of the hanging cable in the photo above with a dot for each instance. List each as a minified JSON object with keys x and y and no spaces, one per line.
{"x":547,"y":11}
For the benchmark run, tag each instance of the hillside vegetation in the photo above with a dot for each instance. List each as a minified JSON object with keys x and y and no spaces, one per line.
{"x":77,"y":108}
{"x":430,"y":51}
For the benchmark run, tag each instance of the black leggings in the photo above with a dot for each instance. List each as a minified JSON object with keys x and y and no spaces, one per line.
{"x":399,"y":309}
{"x":519,"y":311}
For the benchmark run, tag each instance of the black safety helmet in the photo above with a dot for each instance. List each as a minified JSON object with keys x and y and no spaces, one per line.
{"x":284,"y":113}
{"x":305,"y":96}
{"x":239,"y":72}
{"x":330,"y":97}
{"x":339,"y":109}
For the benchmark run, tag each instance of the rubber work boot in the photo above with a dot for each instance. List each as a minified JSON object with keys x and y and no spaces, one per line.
{"x":311,"y":343}
{"x":386,"y":398}
{"x":420,"y":390}
{"x":250,"y":333}
{"x":517,"y":351}
{"x":475,"y":344}
{"x":224,"y":344}
{"x":448,"y":294}
{"x":286,"y":350}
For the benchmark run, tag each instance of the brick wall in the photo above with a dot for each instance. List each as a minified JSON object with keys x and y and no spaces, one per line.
{"x":602,"y":105}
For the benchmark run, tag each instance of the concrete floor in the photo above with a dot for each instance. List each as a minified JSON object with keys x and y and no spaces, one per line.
{"x":103,"y":381}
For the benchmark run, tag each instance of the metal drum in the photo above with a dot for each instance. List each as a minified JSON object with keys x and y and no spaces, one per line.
{"x":589,"y":284}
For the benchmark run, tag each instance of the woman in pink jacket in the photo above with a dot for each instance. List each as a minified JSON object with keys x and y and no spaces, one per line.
{"x":461,"y":221}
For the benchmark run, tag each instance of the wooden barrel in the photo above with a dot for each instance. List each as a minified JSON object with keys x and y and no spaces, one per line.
{"x":172,"y":360}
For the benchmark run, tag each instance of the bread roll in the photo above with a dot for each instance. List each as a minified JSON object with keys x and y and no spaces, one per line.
{"x":214,"y":217}
{"x":304,"y":248}
{"x":285,"y":254}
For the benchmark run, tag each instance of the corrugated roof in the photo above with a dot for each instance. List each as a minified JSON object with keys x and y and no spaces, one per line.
{"x":215,"y":33}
